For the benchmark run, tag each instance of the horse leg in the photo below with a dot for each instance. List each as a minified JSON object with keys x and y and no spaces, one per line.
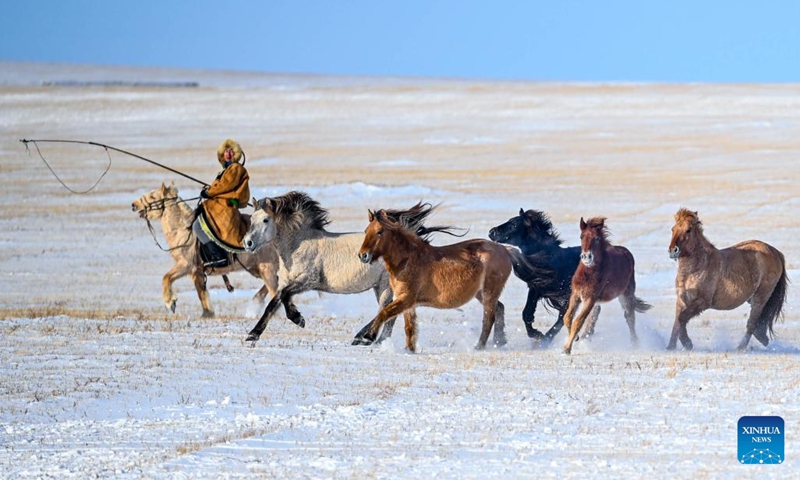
{"x":491,"y":308}
{"x":170,"y":300}
{"x":383,"y":293}
{"x":592,"y":323}
{"x":269,"y":274}
{"x":755,"y":322}
{"x":683,"y":313}
{"x":528,"y":314}
{"x":574,"y":304}
{"x":577,"y":323}
{"x":199,"y":279}
{"x":500,"y":325}
{"x":285,"y":293}
{"x":292,"y":313}
{"x":628,"y":302}
{"x":410,"y":317}
{"x":261,"y":294}
{"x":369,"y":333}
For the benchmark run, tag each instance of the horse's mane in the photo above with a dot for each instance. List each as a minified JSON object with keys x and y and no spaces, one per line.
{"x":541,"y":221}
{"x":295,"y":208}
{"x":181,"y":203}
{"x":598,"y":224}
{"x":686,"y":215}
{"x":412,"y":220}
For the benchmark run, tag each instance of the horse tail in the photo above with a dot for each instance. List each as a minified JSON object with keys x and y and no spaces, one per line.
{"x":641,"y":306}
{"x":532,"y":269}
{"x":773,"y":309}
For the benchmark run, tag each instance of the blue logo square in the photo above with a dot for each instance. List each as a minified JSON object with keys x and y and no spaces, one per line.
{"x":761,"y":440}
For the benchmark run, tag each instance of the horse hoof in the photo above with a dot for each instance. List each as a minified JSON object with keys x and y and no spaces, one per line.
{"x":252,"y":338}
{"x":208,"y":314}
{"x":172,"y":306}
{"x":362,"y":341}
{"x":566,"y":351}
{"x":535,"y":334}
{"x":499,"y":342}
{"x":299,"y":321}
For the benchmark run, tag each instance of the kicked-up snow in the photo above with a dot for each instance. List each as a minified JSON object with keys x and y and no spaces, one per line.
{"x":97,"y":378}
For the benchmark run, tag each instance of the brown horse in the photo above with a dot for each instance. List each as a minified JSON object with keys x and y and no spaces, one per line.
{"x":605,"y":272}
{"x":439,"y":277}
{"x":750,"y":271}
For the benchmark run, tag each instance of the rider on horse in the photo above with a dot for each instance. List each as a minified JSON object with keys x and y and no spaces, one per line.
{"x":229,"y":192}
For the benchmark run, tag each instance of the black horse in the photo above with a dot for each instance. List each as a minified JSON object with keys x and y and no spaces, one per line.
{"x":549,"y":272}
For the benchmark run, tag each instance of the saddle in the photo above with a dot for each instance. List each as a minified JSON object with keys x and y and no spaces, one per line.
{"x":214,"y":252}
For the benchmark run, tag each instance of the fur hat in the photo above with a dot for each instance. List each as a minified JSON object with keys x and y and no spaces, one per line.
{"x":237,"y":151}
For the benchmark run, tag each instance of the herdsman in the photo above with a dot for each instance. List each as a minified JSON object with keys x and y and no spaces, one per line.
{"x":228,"y":193}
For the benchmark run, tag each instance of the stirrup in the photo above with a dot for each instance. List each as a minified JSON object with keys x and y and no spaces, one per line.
{"x":222,"y":262}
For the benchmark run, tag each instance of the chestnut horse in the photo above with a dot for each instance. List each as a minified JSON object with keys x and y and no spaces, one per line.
{"x":750,"y":271}
{"x":605,"y":272}
{"x":439,"y":277}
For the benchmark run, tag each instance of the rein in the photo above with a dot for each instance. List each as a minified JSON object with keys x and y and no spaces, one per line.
{"x":161,"y":205}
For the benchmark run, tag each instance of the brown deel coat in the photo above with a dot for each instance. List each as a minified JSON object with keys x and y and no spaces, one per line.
{"x":226,"y":220}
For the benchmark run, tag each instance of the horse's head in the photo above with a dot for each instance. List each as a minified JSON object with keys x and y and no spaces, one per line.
{"x":594,"y":239}
{"x":375,"y":240}
{"x":262,"y":225}
{"x":531,"y":225}
{"x":684,"y":233}
{"x":151,"y":205}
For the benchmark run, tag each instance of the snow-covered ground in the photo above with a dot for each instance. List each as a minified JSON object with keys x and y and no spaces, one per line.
{"x":97,"y":378}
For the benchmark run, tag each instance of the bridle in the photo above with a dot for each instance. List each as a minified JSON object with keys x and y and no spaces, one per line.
{"x":160,"y":205}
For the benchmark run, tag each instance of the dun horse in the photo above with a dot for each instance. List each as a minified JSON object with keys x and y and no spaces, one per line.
{"x":606,"y":272}
{"x":750,"y":271}
{"x":439,"y":277}
{"x":176,"y":218}
{"x":550,"y":279}
{"x":313,"y":258}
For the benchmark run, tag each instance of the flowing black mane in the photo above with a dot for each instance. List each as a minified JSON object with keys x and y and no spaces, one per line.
{"x":541,"y":221}
{"x":296,"y":208}
{"x":412,"y":220}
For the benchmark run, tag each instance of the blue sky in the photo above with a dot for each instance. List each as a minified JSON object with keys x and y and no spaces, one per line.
{"x":667,"y":41}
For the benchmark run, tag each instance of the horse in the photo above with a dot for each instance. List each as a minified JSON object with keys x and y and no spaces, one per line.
{"x":311,"y":258}
{"x":176,"y":218}
{"x":551,"y":278}
{"x":751,"y":271}
{"x":604,"y":273}
{"x":439,"y":277}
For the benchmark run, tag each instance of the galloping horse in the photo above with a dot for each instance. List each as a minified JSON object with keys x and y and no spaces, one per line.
{"x":551,"y":278}
{"x":176,"y":218}
{"x":439,"y":277}
{"x":313,"y":258}
{"x":606,"y":272}
{"x":750,"y":271}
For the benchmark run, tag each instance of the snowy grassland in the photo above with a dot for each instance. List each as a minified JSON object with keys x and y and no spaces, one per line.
{"x":98,"y":379}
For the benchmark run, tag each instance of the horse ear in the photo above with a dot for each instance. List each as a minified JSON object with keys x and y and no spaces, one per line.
{"x":370,"y":215}
{"x":521,"y":211}
{"x":256,"y":205}
{"x":583,"y":224}
{"x":163,"y":187}
{"x":272,"y":203}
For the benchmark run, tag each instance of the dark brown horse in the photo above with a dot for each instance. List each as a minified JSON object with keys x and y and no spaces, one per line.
{"x":439,"y":277}
{"x":605,"y":272}
{"x":750,"y":271}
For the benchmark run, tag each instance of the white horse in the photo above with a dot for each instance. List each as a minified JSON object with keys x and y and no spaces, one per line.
{"x":176,"y":218}
{"x":311,"y":258}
